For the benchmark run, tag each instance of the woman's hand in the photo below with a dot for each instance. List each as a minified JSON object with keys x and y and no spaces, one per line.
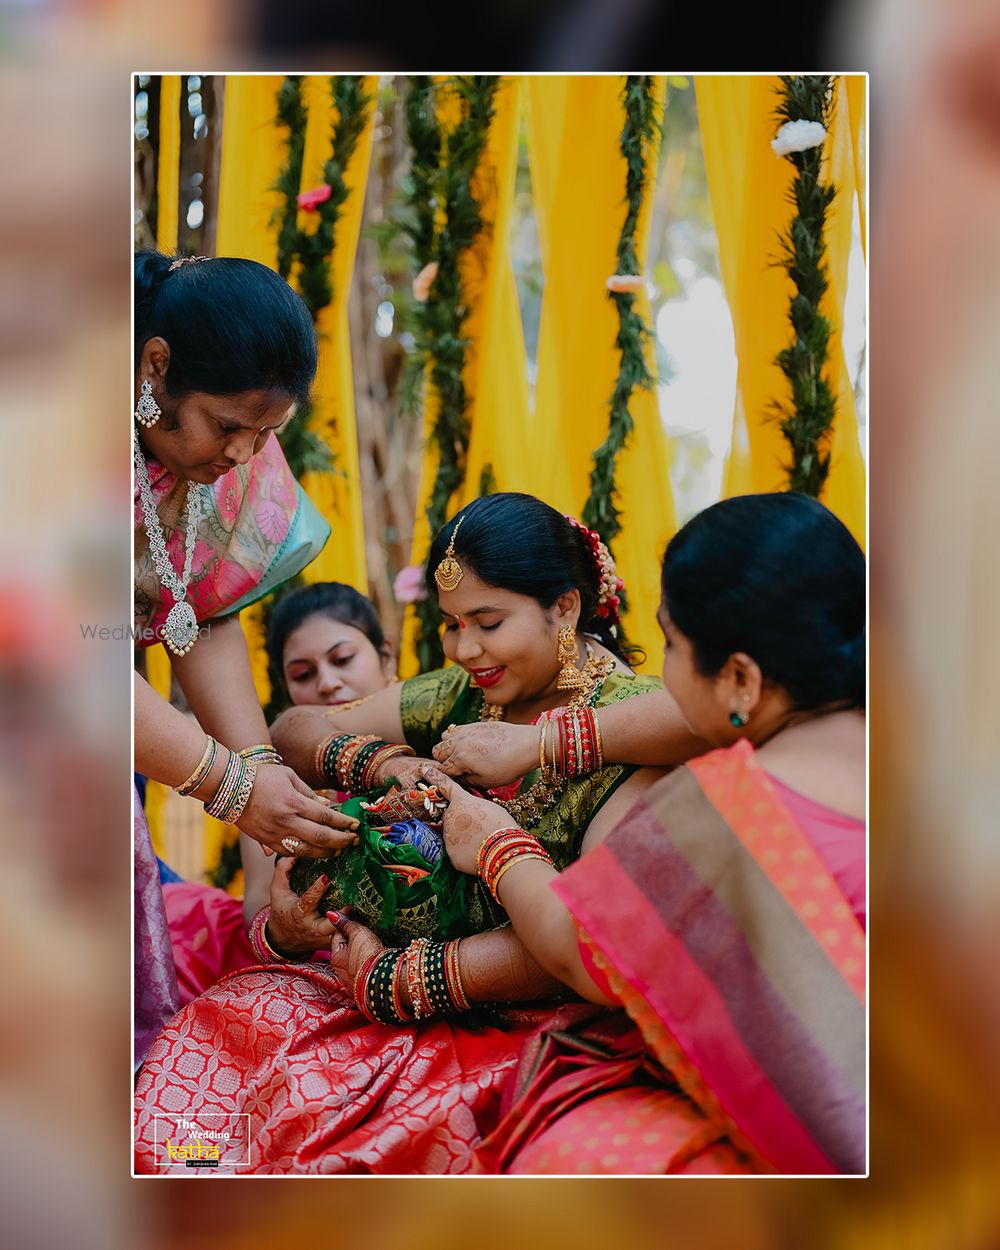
{"x":488,"y":754}
{"x":295,"y":926}
{"x":282,"y":805}
{"x":468,"y":820}
{"x":407,"y":770}
{"x":352,"y":944}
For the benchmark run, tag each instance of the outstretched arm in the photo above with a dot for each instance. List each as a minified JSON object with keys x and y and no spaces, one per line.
{"x":647,"y":729}
{"x":538,"y":916}
{"x":298,"y":731}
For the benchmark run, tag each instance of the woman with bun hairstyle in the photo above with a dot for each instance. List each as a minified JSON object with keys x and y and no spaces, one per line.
{"x":726,"y":911}
{"x":224,"y":353}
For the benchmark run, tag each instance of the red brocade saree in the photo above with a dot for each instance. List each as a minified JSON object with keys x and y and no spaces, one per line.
{"x":326,"y":1090}
{"x":711,"y":917}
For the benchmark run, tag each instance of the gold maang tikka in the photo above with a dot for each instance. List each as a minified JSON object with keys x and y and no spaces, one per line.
{"x":449,"y":572}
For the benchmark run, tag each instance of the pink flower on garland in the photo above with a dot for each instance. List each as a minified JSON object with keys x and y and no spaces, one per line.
{"x":625,"y":283}
{"x":309,"y":201}
{"x":422,"y":282}
{"x":409,"y":585}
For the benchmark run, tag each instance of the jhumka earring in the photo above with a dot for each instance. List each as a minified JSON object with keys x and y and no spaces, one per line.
{"x":570,"y":677}
{"x":147,"y":410}
{"x":449,"y":572}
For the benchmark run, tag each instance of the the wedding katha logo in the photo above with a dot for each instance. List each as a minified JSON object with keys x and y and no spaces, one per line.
{"x":203,"y":1140}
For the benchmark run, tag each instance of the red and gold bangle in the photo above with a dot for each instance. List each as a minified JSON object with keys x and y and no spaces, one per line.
{"x":369,"y":774}
{"x":504,"y":852}
{"x":453,"y":976}
{"x":361,"y":985}
{"x":490,"y":841}
{"x":397,"y":997}
{"x":497,"y":846}
{"x":414,"y":959}
{"x":258,"y":943}
{"x":501,"y":852}
{"x":598,"y":741}
{"x":494,"y":883}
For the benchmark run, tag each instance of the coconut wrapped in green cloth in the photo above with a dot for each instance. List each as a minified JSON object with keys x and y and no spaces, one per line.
{"x":443,"y":904}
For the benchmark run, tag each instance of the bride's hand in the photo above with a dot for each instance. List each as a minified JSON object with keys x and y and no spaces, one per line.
{"x":282,"y":805}
{"x":352,"y":944}
{"x":408,"y":770}
{"x":468,"y":821}
{"x":488,"y":754}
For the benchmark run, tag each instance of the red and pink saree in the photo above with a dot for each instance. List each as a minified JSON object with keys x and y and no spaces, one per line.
{"x":712,"y":917}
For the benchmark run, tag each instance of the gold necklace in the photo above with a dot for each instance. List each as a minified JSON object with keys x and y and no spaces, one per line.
{"x":529,"y":808}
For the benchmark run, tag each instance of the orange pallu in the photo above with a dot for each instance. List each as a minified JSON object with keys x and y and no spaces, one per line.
{"x":710,"y":916}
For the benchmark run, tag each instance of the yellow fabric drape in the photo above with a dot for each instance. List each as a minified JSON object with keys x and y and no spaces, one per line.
{"x":168,"y":163}
{"x":496,"y":371}
{"x":749,"y":188}
{"x":495,"y":374}
{"x":158,"y":670}
{"x":337,"y":494}
{"x":857,"y":89}
{"x":252,"y":155}
{"x":578,"y":183}
{"x":845,"y":488}
{"x":253,"y":152}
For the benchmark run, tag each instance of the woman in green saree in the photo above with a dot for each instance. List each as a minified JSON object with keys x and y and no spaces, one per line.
{"x":527,"y":599}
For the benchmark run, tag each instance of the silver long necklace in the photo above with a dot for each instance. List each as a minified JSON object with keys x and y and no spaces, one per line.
{"x":180,"y":631}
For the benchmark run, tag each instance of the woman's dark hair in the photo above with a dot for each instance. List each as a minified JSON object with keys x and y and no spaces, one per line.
{"x":335,"y":600}
{"x":232,"y":325}
{"x":518,"y":543}
{"x":779,"y":577}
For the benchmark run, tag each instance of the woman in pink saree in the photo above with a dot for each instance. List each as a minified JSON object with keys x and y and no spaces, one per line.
{"x":224,"y":352}
{"x":725,"y":913}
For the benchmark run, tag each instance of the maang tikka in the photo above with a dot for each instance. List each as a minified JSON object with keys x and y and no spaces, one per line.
{"x":449,"y":572}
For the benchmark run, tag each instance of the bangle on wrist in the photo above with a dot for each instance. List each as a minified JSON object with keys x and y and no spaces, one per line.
{"x":235,"y":788}
{"x":205,"y":765}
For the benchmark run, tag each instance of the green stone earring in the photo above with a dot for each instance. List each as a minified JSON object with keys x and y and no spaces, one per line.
{"x":739,"y":719}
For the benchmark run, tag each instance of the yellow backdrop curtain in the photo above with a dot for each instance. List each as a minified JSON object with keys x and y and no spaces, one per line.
{"x":158,"y":670}
{"x":495,"y":373}
{"x":337,"y":493}
{"x":578,"y":182}
{"x":749,"y":188}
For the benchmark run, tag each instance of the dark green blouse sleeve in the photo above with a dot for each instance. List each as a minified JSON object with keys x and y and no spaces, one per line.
{"x":426,"y":704}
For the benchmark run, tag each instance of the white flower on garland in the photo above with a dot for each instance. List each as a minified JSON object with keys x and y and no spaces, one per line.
{"x":798,"y":136}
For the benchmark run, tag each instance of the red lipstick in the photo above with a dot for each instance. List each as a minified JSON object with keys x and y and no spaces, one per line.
{"x":486,"y":677}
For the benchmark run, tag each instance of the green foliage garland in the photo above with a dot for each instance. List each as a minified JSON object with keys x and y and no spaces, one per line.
{"x":292,"y":117}
{"x":305,"y":450}
{"x":807,"y":421}
{"x":440,"y":346}
{"x":641,"y":128}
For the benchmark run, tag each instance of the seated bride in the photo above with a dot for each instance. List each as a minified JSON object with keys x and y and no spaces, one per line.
{"x":529,"y":600}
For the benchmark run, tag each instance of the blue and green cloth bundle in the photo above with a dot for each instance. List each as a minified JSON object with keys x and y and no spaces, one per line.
{"x":435,"y":901}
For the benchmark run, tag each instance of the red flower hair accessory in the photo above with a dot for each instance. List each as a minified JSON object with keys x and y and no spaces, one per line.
{"x":608,"y":596}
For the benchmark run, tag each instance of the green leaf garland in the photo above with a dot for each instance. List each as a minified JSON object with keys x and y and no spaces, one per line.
{"x":640,"y":130}
{"x":313,"y":251}
{"x":807,"y":421}
{"x":444,"y":223}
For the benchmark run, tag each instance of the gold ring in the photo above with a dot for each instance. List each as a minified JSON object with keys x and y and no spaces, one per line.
{"x":291,"y":844}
